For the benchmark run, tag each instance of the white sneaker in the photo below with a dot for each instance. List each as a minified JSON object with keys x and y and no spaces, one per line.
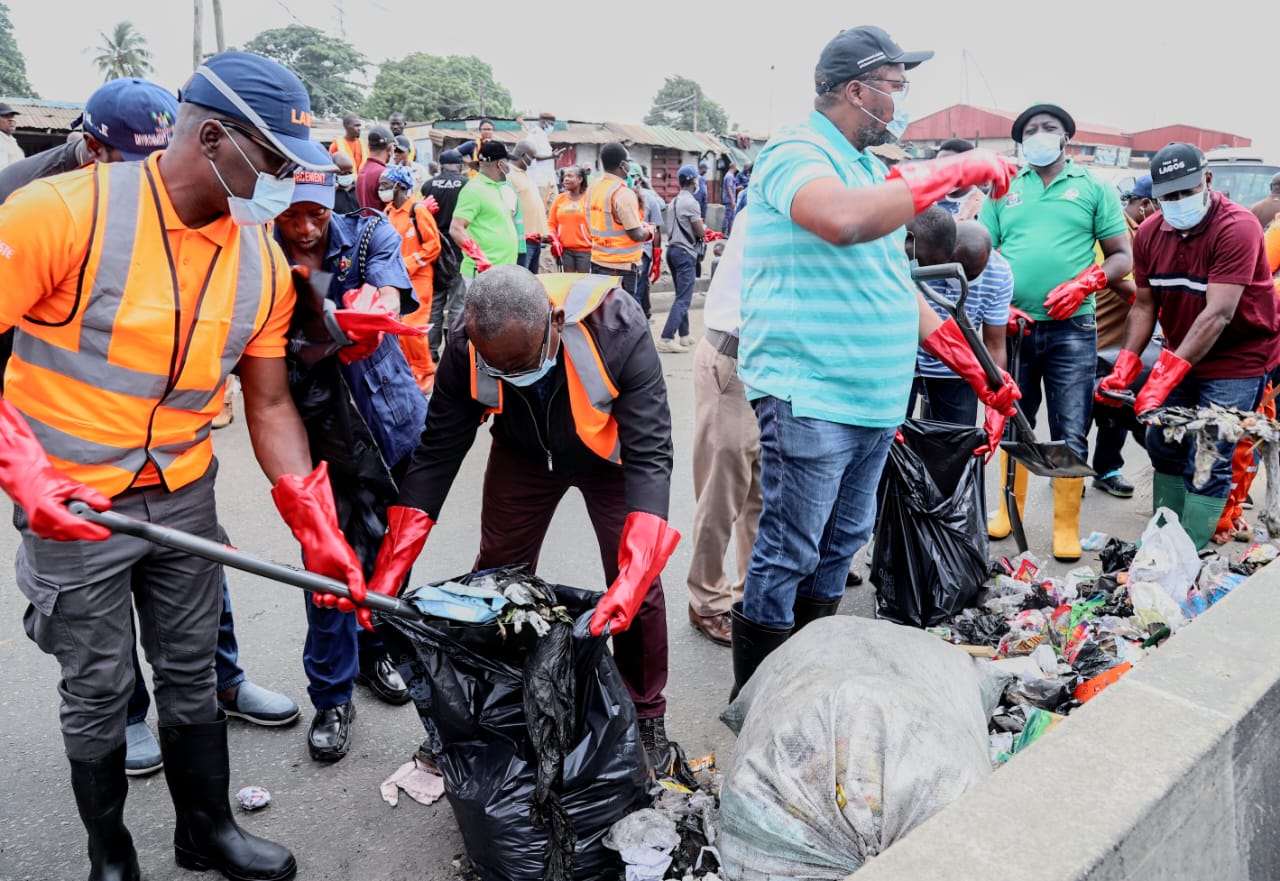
{"x":688,"y":341}
{"x":671,"y":347}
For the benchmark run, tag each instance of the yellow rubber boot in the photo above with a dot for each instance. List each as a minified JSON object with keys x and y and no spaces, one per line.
{"x":999,"y":525}
{"x":1067,"y":492}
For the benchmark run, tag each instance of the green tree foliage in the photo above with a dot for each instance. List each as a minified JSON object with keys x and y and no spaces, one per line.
{"x":323,"y":63}
{"x":13,"y":67}
{"x":123,"y":53}
{"x":681,"y":103}
{"x":427,"y":87}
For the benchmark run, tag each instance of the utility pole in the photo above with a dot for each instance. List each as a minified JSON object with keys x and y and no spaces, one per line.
{"x":197,"y":45}
{"x":695,"y":111}
{"x":217,"y":26}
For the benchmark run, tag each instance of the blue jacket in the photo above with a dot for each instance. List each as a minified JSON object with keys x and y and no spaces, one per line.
{"x":382,"y":385}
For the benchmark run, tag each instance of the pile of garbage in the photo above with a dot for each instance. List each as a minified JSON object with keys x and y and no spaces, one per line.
{"x":1047,"y":645}
{"x":676,"y":837}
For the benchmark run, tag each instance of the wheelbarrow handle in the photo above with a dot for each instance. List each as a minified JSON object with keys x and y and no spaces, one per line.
{"x":168,"y":537}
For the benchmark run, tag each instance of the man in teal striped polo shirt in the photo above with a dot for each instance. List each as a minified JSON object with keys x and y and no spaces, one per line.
{"x":830,"y":325}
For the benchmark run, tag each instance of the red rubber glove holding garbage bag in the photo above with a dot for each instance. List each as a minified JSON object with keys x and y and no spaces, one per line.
{"x":41,"y":490}
{"x":949,"y":346}
{"x":647,"y":542}
{"x":1126,"y":370}
{"x":1164,"y":378}
{"x":365,"y":320}
{"x":306,"y":504}
{"x":930,"y":181}
{"x":407,"y":531}
{"x":472,"y":250}
{"x":1065,"y":299}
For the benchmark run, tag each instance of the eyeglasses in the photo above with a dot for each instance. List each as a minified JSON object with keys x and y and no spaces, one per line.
{"x":288,"y":166}
{"x":905,"y":84}
{"x":516,"y":374}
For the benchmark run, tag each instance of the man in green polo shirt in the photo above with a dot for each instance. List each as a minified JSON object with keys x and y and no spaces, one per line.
{"x":483,"y":224}
{"x":1046,"y":227}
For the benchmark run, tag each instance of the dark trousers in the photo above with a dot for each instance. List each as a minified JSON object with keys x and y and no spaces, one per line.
{"x":627,"y":277}
{"x":683,"y":267}
{"x":530,"y":258}
{"x":643,"y":284}
{"x":332,"y":653}
{"x":446,"y":302}
{"x":519,"y":499}
{"x":576,"y":261}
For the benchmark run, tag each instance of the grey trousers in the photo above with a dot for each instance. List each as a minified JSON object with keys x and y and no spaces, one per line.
{"x":82,"y":595}
{"x":445,"y":306}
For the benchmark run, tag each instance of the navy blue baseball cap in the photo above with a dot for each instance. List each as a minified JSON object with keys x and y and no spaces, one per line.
{"x":263,"y":94}
{"x":312,"y":185}
{"x":130,"y":115}
{"x":686,"y":174}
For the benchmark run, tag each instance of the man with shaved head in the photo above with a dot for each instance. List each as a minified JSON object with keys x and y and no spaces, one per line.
{"x":350,"y":142}
{"x":533,"y":210}
{"x":1266,"y":209}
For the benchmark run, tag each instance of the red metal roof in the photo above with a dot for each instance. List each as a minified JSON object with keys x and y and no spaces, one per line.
{"x":1153,"y":139}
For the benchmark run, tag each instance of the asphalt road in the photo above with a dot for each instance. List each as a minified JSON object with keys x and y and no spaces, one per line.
{"x":331,"y":815}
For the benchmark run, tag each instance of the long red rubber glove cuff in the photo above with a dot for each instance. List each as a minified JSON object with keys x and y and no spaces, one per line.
{"x":1126,"y":370}
{"x":1164,"y":377}
{"x":472,"y":250}
{"x":1063,"y":301}
{"x":993,"y":425}
{"x":306,"y":504}
{"x":949,"y":346}
{"x":647,"y":542}
{"x":41,"y":490}
{"x":407,"y":531}
{"x":930,"y":181}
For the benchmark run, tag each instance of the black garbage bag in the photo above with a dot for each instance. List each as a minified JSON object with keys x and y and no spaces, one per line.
{"x":1092,"y":661}
{"x":931,"y":539}
{"x":1117,"y":555}
{"x":537,"y":737}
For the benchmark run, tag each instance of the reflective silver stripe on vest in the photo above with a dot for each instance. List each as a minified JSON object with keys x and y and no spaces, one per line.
{"x":165,"y":455}
{"x":578,"y":349}
{"x":85,"y":452}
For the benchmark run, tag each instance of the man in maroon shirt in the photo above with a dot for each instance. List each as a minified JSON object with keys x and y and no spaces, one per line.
{"x":1201,"y":269}
{"x":380,"y":141}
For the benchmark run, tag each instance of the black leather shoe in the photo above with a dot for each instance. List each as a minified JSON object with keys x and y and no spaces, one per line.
{"x":1115,"y":484}
{"x":329,"y":737}
{"x":384,"y":680}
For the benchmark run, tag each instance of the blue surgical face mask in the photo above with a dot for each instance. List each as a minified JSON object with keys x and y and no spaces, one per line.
{"x":529,"y":379}
{"x":1042,"y":149}
{"x":271,"y":195}
{"x":1186,"y":212}
{"x":898,"y":124}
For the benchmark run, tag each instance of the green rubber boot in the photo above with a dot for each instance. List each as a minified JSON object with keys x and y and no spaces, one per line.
{"x":1168,"y":491}
{"x":1200,"y":516}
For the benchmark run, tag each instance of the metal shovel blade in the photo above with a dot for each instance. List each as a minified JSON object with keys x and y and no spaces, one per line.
{"x":1047,"y":458}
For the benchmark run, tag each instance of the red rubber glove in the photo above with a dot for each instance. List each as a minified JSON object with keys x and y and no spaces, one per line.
{"x":1126,"y":370}
{"x":713,"y":236}
{"x":365,"y":330}
{"x":930,"y":181}
{"x":655,"y":270}
{"x":647,"y":542}
{"x":993,"y":425}
{"x":949,"y":346}
{"x":557,"y":249}
{"x":472,"y":250}
{"x":432,"y":205}
{"x":306,"y":504}
{"x":1016,"y":315}
{"x":407,"y":530}
{"x":1164,"y":377}
{"x":1065,"y":299}
{"x":532,"y":237}
{"x":41,"y":490}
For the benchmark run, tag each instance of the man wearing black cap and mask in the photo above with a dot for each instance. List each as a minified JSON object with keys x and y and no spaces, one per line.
{"x":1047,"y":227}
{"x":1201,"y":269}
{"x":830,"y":324}
{"x":380,"y":144}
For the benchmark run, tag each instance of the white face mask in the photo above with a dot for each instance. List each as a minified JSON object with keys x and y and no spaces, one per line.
{"x":386,"y":195}
{"x":271,"y":195}
{"x":346,"y":180}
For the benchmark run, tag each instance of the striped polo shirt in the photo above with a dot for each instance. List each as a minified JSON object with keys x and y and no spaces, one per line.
{"x":832,"y":329}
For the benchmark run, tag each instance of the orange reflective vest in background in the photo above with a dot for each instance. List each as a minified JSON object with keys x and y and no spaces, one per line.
{"x":610,"y":244}
{"x":419,"y":246}
{"x":591,"y":390}
{"x":342,"y":145}
{"x":127,"y":384}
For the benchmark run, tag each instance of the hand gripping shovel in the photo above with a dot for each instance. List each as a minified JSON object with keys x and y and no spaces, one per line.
{"x":168,"y":537}
{"x":1045,"y":458}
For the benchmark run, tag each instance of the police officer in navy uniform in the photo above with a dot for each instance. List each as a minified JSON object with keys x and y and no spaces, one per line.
{"x":337,"y":652}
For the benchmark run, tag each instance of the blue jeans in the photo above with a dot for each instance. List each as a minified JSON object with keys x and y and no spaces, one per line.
{"x":818,"y":480}
{"x":532,"y":257}
{"x":335,"y":648}
{"x":683,"y":267}
{"x":1168,"y":457}
{"x":643,"y":284}
{"x":225,"y":663}
{"x":945,"y":400}
{"x":1062,"y":356}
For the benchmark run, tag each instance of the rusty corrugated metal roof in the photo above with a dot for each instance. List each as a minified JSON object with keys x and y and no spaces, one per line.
{"x":37,"y":115}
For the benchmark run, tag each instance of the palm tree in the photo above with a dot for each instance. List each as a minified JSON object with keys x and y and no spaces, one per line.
{"x":124,"y":53}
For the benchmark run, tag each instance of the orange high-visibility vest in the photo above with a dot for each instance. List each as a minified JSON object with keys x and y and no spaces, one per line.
{"x":610,"y":244}
{"x":122,"y":383}
{"x":591,"y":389}
{"x":341,"y":145}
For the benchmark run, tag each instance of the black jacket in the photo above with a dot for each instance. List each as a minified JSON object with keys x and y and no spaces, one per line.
{"x":546,"y":433}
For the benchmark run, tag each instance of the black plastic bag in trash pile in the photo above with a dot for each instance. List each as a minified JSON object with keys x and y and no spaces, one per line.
{"x":469,"y":685}
{"x":931,"y":539}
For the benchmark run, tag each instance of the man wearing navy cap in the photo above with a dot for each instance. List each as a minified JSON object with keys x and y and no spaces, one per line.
{"x":117,"y":259}
{"x":1201,"y":270}
{"x":337,"y":652}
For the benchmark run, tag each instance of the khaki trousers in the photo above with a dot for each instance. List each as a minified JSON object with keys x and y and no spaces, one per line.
{"x":726,"y":480}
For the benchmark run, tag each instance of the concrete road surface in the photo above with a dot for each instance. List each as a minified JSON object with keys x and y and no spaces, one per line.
{"x":331,"y":815}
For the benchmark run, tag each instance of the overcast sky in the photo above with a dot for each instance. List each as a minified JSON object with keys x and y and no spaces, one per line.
{"x":1117,"y":64}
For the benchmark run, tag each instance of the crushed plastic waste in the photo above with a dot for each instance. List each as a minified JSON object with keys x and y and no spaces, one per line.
{"x":253,"y":798}
{"x":1094,"y":541}
{"x":676,"y":836}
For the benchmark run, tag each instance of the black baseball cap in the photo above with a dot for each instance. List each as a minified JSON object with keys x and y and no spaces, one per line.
{"x":855,"y":51}
{"x":380,"y":136}
{"x":1063,"y":116}
{"x":492,"y":151}
{"x":450,"y":157}
{"x":1176,"y":167}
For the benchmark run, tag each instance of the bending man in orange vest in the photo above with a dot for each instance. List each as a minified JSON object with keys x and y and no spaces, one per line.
{"x":135,"y":288}
{"x":614,"y":219}
{"x":567,"y":367}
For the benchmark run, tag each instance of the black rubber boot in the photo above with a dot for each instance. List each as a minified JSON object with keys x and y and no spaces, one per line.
{"x":101,"y":788}
{"x":207,"y":837}
{"x":752,"y":643}
{"x":807,"y":609}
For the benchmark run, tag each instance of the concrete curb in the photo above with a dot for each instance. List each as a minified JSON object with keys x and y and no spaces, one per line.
{"x":1171,"y":774}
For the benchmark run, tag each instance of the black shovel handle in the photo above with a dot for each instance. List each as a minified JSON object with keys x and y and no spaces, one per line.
{"x":167,"y":536}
